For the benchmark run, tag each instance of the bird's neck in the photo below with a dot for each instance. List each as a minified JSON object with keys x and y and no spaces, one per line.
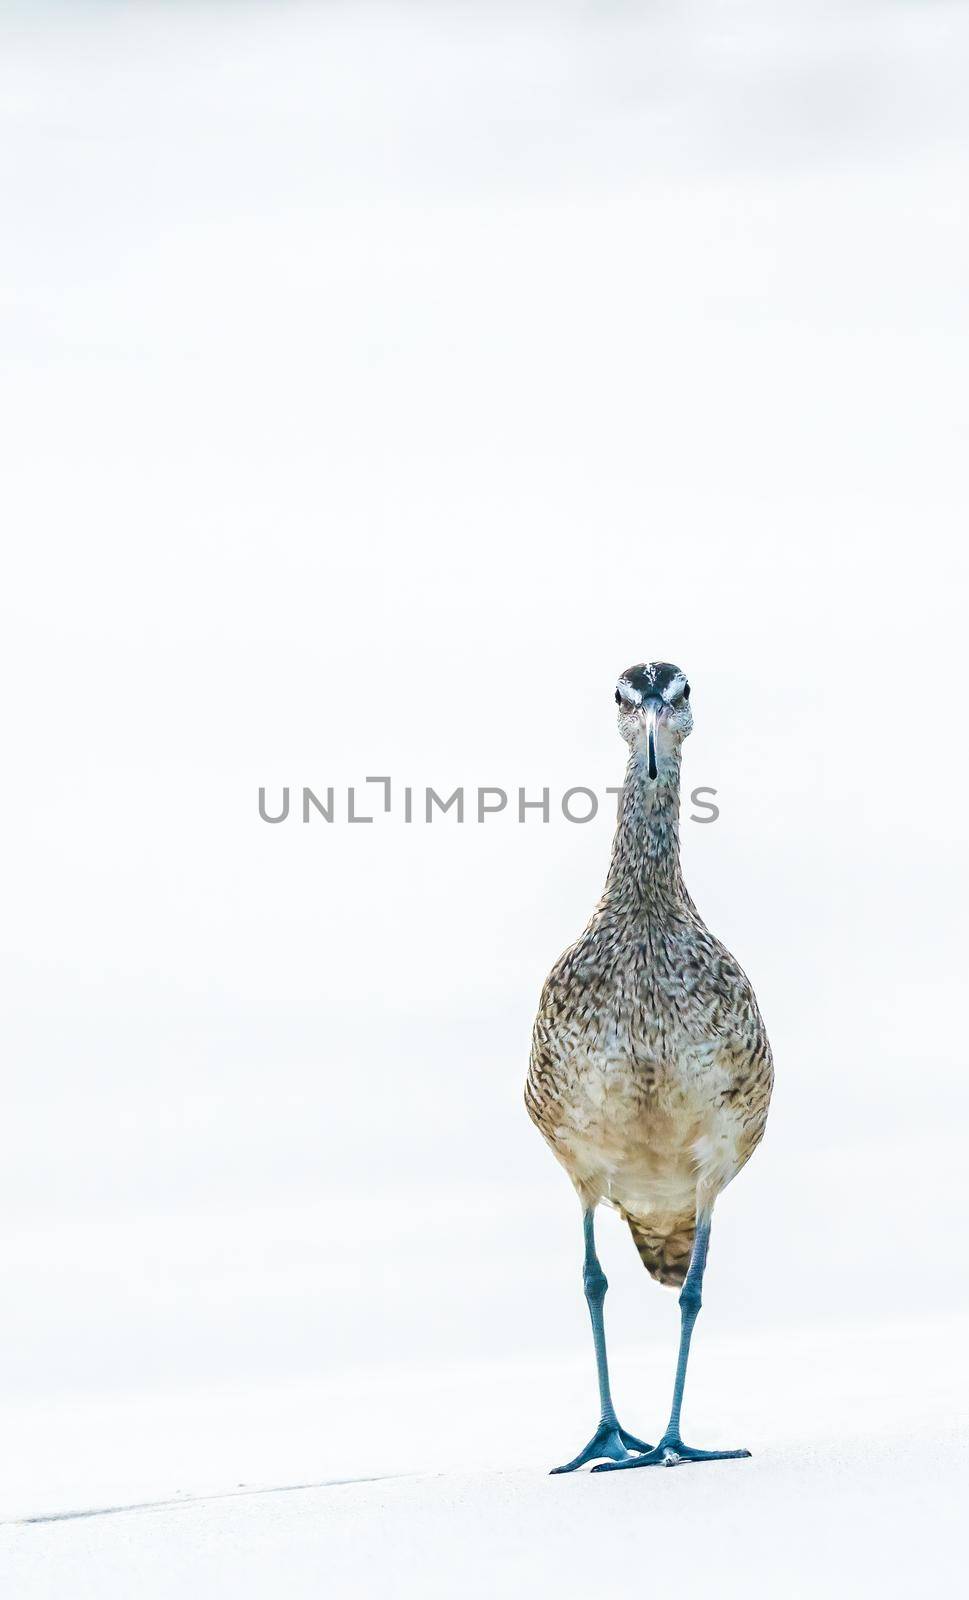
{"x":645,"y":873}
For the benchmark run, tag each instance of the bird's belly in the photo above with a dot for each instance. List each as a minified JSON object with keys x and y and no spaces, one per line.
{"x":646,"y":1135}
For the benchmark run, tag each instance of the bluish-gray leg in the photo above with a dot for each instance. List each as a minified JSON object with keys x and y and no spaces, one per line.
{"x":671,"y":1450}
{"x":609,"y":1440}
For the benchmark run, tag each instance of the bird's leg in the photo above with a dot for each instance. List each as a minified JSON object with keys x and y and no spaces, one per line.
{"x":609,"y":1440}
{"x":671,"y":1451}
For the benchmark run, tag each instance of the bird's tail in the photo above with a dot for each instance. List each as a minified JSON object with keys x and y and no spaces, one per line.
{"x":665,"y":1255}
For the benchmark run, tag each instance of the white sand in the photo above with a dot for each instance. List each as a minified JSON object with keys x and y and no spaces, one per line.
{"x":856,"y":1486}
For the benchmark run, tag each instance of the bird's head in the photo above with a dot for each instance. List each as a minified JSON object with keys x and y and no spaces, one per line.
{"x":654,"y":712}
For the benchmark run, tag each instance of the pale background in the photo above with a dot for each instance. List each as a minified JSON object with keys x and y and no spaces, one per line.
{"x":378,"y":382}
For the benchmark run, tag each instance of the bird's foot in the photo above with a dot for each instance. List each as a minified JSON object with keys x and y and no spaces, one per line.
{"x":671,"y":1452}
{"x":611,"y":1441}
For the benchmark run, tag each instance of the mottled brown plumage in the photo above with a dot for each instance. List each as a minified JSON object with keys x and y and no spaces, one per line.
{"x":650,"y":1070}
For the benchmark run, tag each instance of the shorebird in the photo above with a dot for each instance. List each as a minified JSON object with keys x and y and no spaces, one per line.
{"x":650,"y":1071}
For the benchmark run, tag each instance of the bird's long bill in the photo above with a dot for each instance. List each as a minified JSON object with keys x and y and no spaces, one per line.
{"x":651,"y":711}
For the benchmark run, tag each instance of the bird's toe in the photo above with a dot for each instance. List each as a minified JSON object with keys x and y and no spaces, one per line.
{"x":671,"y":1452}
{"x":609,"y":1443}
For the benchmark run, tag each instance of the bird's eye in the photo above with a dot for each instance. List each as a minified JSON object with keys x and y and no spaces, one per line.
{"x":686,"y":691}
{"x":618,"y":698}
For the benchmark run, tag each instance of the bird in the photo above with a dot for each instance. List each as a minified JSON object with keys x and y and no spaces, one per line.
{"x":650,"y":1071}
